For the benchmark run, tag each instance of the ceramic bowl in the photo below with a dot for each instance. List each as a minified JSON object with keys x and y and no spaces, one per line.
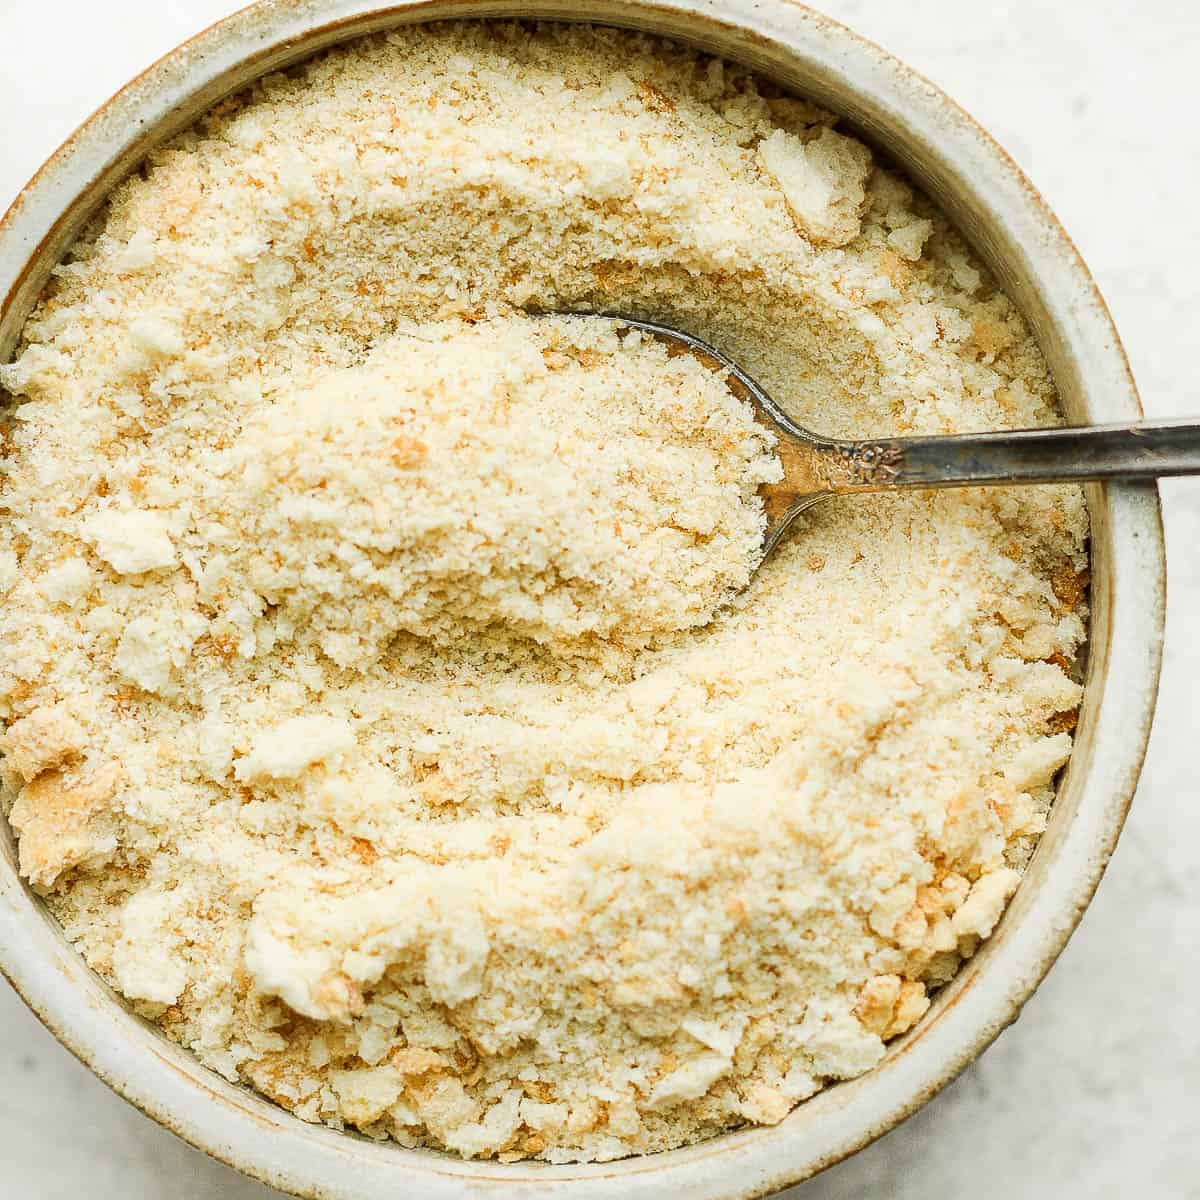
{"x":986,"y":195}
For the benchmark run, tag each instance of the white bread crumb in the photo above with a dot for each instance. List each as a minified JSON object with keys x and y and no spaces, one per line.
{"x":293,"y":746}
{"x":822,"y":182}
{"x":131,"y":541}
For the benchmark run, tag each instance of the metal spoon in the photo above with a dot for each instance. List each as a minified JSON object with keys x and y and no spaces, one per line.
{"x":816,"y":468}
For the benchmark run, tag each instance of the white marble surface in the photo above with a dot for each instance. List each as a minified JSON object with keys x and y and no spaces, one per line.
{"x":1096,"y":1091}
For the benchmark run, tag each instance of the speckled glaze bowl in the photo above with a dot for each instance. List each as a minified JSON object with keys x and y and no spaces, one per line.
{"x":982,"y":190}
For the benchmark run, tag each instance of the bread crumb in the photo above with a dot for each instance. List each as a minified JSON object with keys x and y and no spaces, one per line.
{"x":980,"y":911}
{"x":131,"y":540}
{"x":286,"y":750}
{"x":909,"y":240}
{"x":44,"y":738}
{"x":689,"y":1082}
{"x":823,"y":182}
{"x":58,"y":823}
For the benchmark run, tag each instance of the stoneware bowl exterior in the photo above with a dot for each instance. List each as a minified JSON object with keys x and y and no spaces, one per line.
{"x":989,"y":199}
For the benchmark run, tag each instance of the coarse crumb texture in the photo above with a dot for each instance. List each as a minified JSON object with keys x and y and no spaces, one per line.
{"x":561,"y":482}
{"x":366,"y":726}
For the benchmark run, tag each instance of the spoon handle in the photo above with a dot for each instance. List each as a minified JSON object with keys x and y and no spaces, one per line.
{"x":1147,"y":450}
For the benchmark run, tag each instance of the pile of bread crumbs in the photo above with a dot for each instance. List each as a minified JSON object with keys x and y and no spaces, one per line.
{"x":378,"y":720}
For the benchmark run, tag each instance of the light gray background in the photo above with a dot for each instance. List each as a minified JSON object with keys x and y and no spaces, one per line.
{"x":1096,"y":1091}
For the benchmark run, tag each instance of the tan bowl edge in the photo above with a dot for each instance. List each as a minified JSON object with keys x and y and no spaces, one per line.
{"x":1008,"y":223}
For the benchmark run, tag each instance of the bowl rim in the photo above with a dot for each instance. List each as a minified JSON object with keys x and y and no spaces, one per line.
{"x":892,"y":104}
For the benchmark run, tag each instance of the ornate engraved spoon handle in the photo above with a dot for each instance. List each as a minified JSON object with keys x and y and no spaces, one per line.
{"x":1144,"y":451}
{"x":816,"y":468}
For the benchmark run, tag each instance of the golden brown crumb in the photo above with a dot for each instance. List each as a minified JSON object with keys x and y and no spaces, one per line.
{"x":44,"y":738}
{"x":1063,"y":722}
{"x":57,"y":822}
{"x":1070,"y":585}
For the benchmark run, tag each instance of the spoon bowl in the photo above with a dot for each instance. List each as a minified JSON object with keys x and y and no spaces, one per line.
{"x":816,"y":468}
